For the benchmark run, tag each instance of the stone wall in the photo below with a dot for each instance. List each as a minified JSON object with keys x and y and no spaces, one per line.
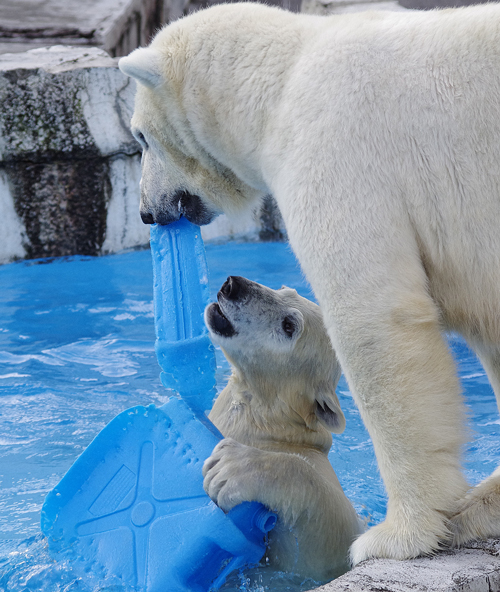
{"x":69,"y":167}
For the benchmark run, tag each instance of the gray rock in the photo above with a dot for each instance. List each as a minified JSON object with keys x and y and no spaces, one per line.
{"x":118,"y":26}
{"x":69,"y":167}
{"x":474,"y":568}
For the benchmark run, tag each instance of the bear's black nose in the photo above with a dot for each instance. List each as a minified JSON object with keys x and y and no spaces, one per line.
{"x":232,"y":288}
{"x":147,"y":218}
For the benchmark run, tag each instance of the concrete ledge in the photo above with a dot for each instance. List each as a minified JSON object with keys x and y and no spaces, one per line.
{"x":473,"y":568}
{"x":117,"y":26}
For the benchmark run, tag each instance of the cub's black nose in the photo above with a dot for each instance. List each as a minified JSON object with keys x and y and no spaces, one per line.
{"x":233,"y":288}
{"x":147,"y":218}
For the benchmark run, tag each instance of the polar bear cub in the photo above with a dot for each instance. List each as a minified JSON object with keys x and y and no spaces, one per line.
{"x":276,"y":414}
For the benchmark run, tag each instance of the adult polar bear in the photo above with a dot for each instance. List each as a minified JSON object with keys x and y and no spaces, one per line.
{"x":379,"y":136}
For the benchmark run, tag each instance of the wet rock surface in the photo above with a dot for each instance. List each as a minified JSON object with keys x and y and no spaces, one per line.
{"x":62,"y":205}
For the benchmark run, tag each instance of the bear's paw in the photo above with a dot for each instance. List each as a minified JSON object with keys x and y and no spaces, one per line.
{"x":396,"y":540}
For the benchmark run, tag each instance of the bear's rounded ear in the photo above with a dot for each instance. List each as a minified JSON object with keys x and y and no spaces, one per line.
{"x":328,"y":411}
{"x":293,"y":324}
{"x":143,"y":64}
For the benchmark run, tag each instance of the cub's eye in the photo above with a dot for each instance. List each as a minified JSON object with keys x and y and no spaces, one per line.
{"x":288,"y":326}
{"x":139,"y":136}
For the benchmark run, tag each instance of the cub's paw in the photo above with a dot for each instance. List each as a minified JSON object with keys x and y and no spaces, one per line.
{"x":390,"y":540}
{"x":229,"y":474}
{"x":478,"y":515}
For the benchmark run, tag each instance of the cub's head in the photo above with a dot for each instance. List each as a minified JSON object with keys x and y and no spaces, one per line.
{"x":277,"y":344}
{"x":179,"y":118}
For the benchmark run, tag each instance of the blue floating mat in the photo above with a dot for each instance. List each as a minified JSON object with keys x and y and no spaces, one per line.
{"x":132,"y":506}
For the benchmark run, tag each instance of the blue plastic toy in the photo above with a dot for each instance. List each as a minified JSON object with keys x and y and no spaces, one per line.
{"x":133,"y":503}
{"x":183,"y":348}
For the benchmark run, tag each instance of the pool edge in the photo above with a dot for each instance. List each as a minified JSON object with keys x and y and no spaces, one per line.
{"x":475,"y":567}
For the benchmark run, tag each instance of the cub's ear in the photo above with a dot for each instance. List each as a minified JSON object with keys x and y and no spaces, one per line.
{"x":293,"y":324}
{"x":328,"y":411}
{"x":143,"y":64}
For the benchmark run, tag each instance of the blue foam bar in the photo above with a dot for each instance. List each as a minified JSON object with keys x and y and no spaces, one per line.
{"x":180,"y":280}
{"x":181,"y":293}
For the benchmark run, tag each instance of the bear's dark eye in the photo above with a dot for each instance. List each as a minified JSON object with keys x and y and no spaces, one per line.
{"x":288,"y":326}
{"x":139,"y":136}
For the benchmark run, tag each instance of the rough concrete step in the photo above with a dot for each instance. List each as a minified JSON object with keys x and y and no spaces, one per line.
{"x":473,"y":568}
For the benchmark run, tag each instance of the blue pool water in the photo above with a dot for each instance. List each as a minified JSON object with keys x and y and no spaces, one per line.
{"x":77,"y":348}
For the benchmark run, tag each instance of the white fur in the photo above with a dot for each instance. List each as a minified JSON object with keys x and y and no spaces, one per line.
{"x":277,"y":438}
{"x":379,"y":136}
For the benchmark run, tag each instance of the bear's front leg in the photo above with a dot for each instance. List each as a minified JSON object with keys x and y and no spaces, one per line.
{"x":364,"y":264}
{"x":403,"y":379}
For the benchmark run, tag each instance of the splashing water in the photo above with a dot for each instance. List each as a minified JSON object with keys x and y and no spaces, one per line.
{"x":77,"y":348}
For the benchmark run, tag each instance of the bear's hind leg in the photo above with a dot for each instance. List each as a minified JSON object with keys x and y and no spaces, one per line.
{"x":478,"y":516}
{"x":479,"y":513}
